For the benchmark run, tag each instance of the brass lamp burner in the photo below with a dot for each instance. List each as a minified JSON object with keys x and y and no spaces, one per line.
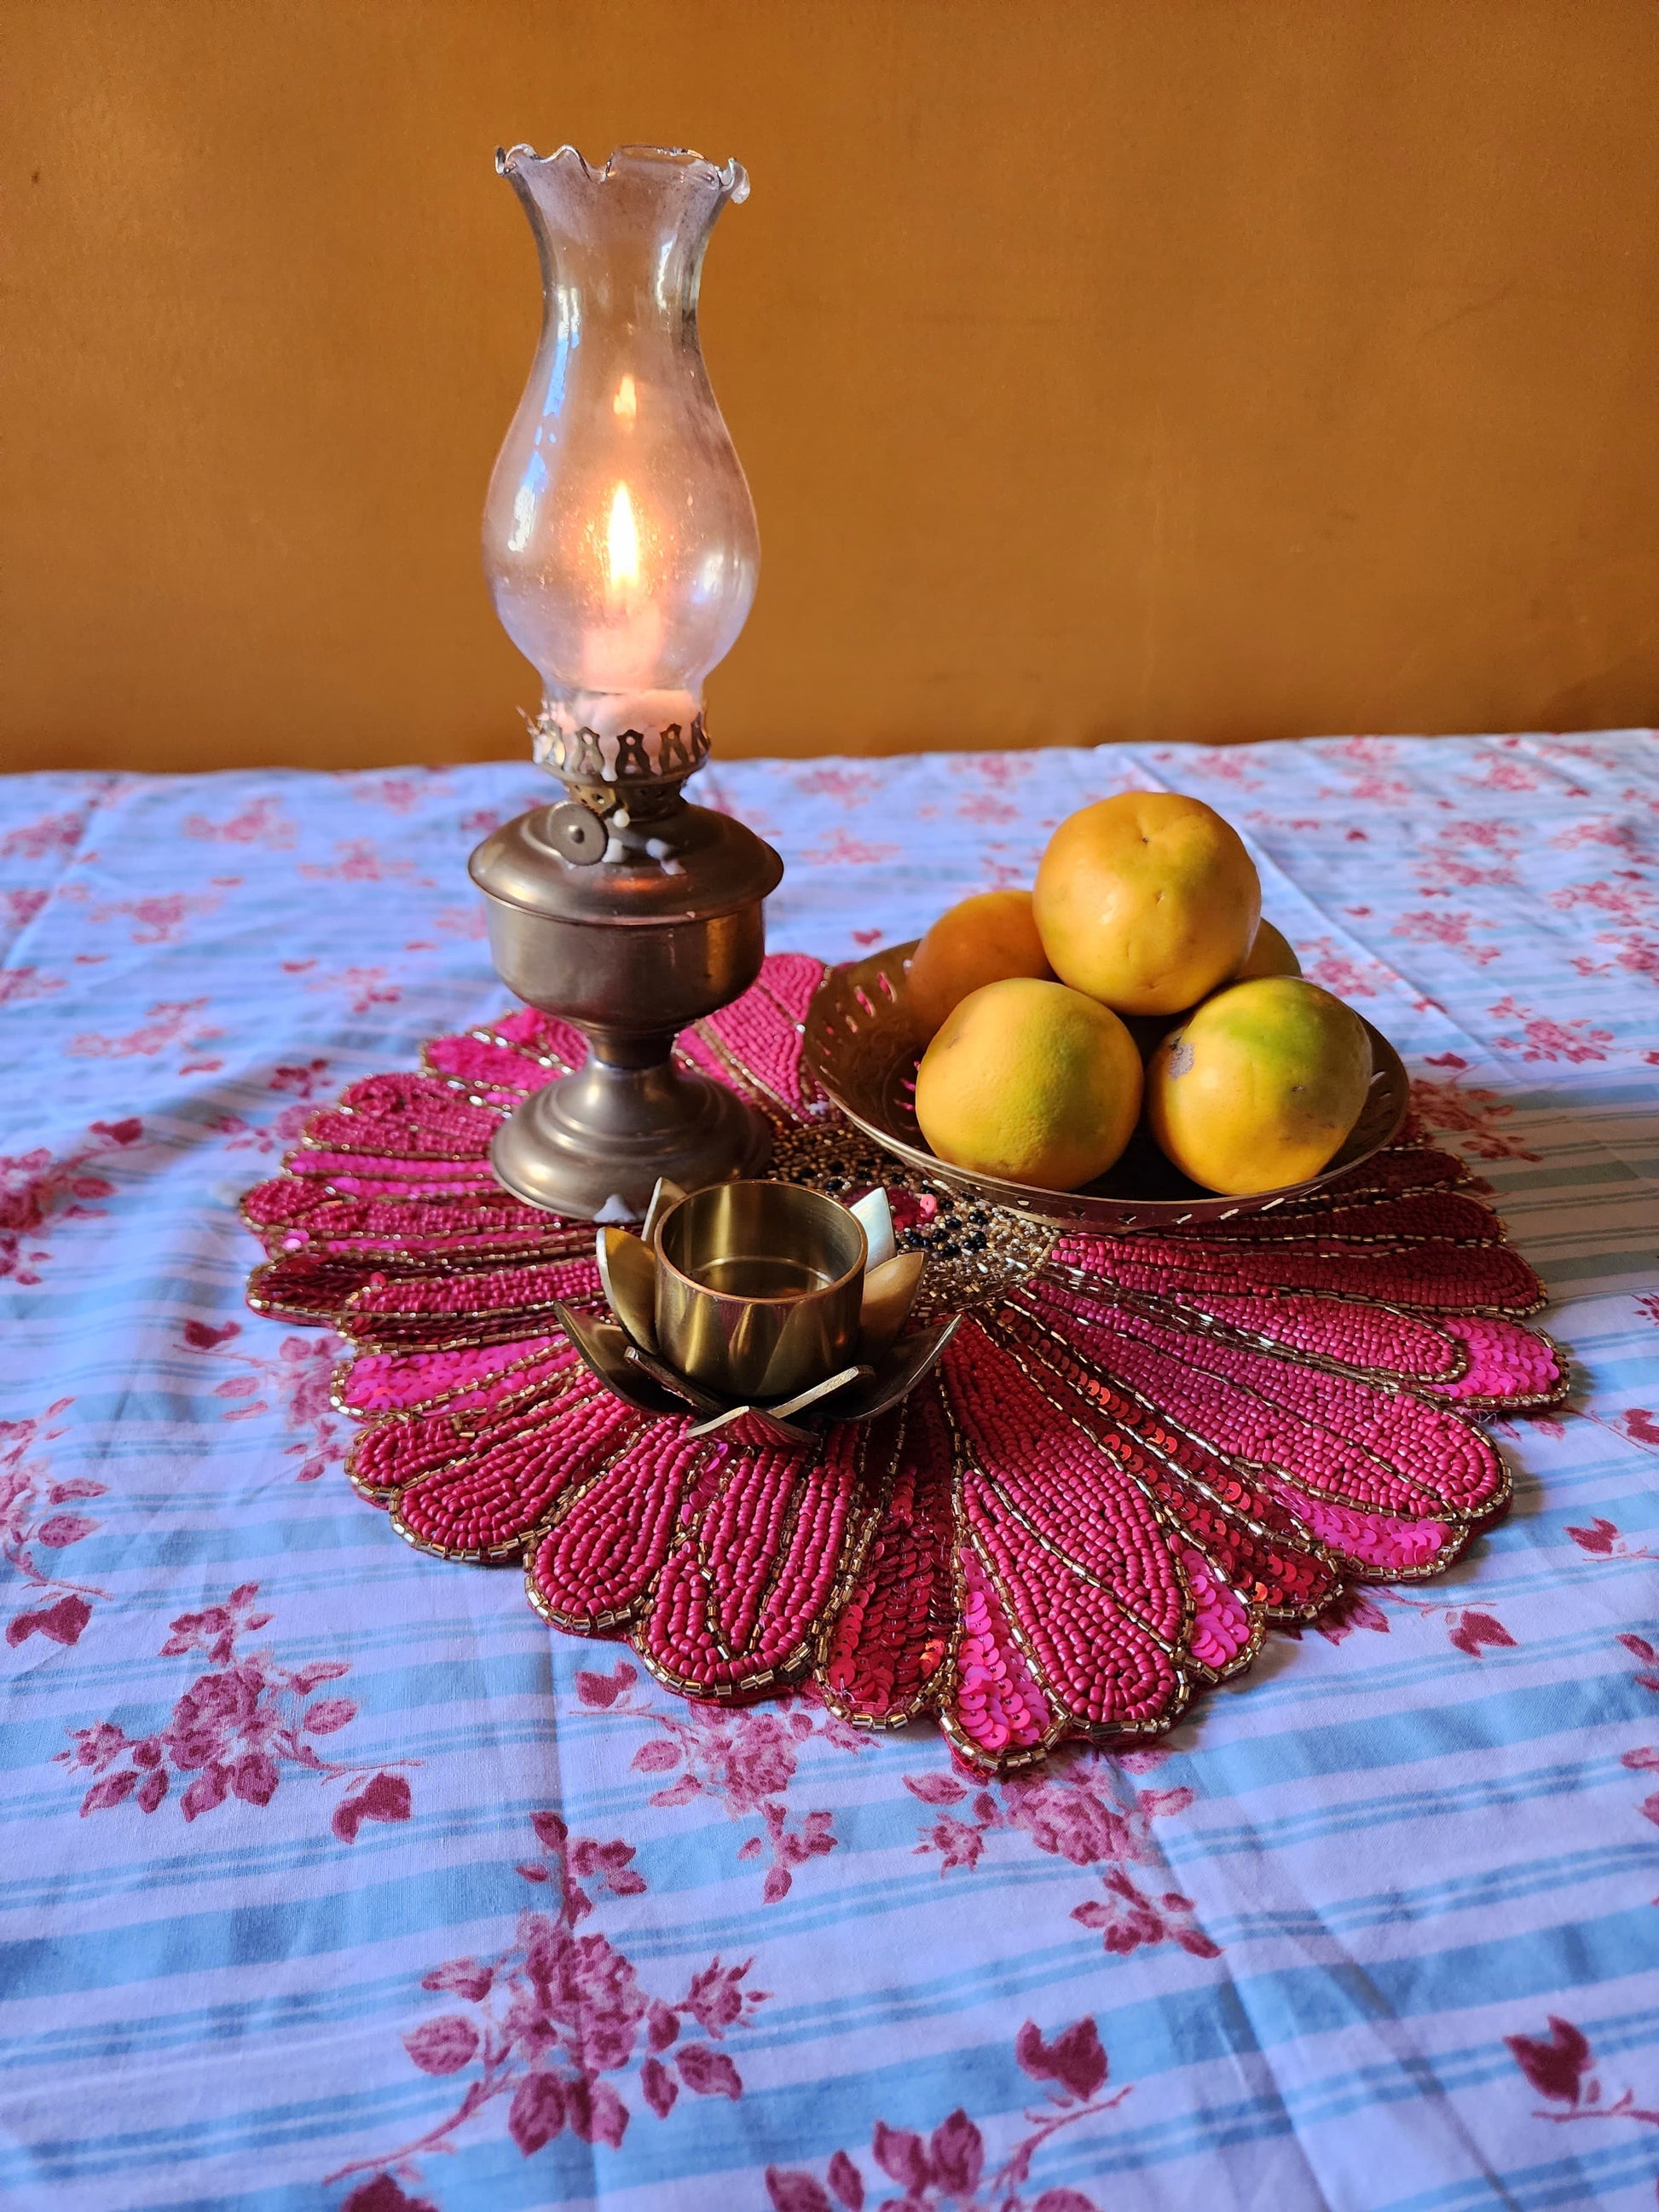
{"x":755,"y":1305}
{"x":655,"y":924}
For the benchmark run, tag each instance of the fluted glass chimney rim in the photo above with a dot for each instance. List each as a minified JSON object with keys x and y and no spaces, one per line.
{"x":732,"y":179}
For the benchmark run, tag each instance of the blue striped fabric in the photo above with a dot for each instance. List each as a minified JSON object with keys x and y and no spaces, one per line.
{"x":280,"y":1793}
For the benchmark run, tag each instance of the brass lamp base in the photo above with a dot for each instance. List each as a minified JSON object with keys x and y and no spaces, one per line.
{"x":593,"y":1146}
{"x":631,"y":926}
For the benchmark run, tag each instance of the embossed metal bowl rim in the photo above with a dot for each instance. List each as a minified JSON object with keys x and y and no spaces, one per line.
{"x":863,"y":1003}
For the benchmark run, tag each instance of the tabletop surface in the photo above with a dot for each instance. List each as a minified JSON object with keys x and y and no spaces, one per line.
{"x":386,"y":1838}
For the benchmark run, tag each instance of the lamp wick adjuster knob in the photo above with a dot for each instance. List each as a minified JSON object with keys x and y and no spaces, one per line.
{"x":575,"y":833}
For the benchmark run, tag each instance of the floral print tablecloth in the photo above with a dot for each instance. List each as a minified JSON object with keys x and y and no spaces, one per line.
{"x":336,"y":1882}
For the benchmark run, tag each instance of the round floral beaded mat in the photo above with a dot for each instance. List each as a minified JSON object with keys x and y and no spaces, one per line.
{"x":1138,"y":1452}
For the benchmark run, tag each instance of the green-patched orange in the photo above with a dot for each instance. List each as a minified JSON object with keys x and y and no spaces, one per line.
{"x":1260,"y":1086}
{"x":983,"y":939}
{"x":1271,"y":955}
{"x":1146,"y":901}
{"x":1032,"y":1081}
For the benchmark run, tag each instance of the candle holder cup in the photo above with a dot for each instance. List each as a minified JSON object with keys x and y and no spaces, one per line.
{"x":758,"y":1288}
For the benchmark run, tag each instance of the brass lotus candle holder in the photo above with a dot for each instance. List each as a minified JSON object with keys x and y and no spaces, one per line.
{"x":762,"y":1308}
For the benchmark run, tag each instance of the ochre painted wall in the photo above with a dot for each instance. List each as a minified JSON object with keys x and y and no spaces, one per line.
{"x":1146,"y":368}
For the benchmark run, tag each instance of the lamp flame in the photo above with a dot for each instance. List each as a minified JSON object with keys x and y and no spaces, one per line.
{"x":621,"y":543}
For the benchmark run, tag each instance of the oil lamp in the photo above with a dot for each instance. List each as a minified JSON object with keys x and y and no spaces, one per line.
{"x":620,"y":545}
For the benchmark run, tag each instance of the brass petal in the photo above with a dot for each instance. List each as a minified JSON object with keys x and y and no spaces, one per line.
{"x":603,"y":1349}
{"x":627,"y":1269}
{"x":666,"y":1193}
{"x":889,"y":1291}
{"x":876,"y":1218}
{"x":658,"y":1369}
{"x":753,"y":1425}
{"x":897,"y":1375}
{"x":781,"y":1417}
{"x":819,"y":1391}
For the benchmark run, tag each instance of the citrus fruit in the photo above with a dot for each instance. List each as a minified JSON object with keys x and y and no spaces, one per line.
{"x":982,"y":939}
{"x":1272,"y":954}
{"x":1146,"y":901}
{"x":1260,"y":1085}
{"x":1032,"y":1081}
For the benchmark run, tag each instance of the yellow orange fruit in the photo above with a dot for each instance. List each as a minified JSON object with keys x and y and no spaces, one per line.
{"x":984,"y":939}
{"x":1146,"y":901}
{"x":1032,"y":1081}
{"x":1260,"y":1086}
{"x":1272,"y":954}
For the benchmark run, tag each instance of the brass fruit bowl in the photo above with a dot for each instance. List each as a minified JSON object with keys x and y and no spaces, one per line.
{"x":862,"y":1047}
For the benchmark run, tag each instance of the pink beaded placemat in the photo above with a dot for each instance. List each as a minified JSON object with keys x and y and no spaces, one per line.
{"x":1138,"y":1453}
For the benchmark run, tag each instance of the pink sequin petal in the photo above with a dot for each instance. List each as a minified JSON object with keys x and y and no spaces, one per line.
{"x":401,"y":1382}
{"x":1347,"y":1438}
{"x":761,"y":1030}
{"x":483,"y":1065}
{"x":417,"y":1116}
{"x":1409,"y":1166}
{"x":319,"y":1220}
{"x":1445,"y":1458}
{"x":391,"y":1175}
{"x":1098,"y":1665}
{"x":1222,"y":1633}
{"x":390,"y":1455}
{"x":885,"y":1650}
{"x":1450,"y":1216}
{"x":1262,"y":1548}
{"x":1374,"y":1543}
{"x":543,"y":1037}
{"x":702,"y":1055}
{"x":1424,"y":1279}
{"x":1506,"y":1362}
{"x":789,"y":982}
{"x":996,"y":1713}
{"x":311,"y":1288}
{"x":1247,"y":1423}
